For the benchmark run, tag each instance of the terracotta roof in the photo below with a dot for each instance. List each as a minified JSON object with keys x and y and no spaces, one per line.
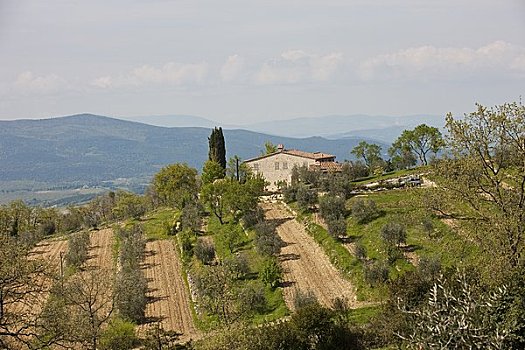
{"x":315,"y":155}
{"x":328,"y":166}
{"x":318,"y":156}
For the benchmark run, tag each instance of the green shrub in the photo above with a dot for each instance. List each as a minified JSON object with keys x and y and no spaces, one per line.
{"x":204,"y":251}
{"x":394,"y":234}
{"x":267,"y":241}
{"x":78,"y":248}
{"x":364,"y":210}
{"x":302,"y":299}
{"x":271,"y":272}
{"x":360,"y":251}
{"x":331,"y":207}
{"x":336,"y":227}
{"x":289,"y":193}
{"x":376,"y":273}
{"x":119,"y":335}
{"x":306,"y":197}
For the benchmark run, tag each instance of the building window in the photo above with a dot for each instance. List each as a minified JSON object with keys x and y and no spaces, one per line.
{"x":276,"y":165}
{"x":256,"y":166}
{"x":285,"y":165}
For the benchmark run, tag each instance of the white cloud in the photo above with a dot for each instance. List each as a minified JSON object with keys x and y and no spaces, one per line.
{"x":28,"y":83}
{"x":232,"y":68}
{"x":428,"y":62}
{"x":171,"y":73}
{"x":295,"y":66}
{"x":102,"y":82}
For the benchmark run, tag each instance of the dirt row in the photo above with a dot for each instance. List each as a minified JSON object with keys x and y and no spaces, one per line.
{"x":50,"y":251}
{"x":169,"y":299}
{"x":100,"y":252}
{"x":305,"y":265}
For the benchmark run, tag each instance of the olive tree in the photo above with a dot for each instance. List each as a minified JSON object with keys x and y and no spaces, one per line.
{"x":483,"y":181}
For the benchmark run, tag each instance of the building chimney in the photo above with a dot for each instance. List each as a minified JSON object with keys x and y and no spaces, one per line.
{"x":280,"y":147}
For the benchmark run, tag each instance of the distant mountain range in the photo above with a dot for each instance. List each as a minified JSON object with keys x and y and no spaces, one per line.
{"x":91,"y":150}
{"x":383,"y":128}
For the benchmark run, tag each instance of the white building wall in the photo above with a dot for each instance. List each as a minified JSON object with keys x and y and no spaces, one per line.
{"x":278,"y":167}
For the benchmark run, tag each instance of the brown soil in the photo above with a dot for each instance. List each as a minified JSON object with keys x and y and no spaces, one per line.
{"x":50,"y":250}
{"x":305,"y":265}
{"x":169,"y":297}
{"x":100,"y":252}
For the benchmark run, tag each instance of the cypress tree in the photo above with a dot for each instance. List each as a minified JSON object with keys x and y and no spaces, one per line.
{"x":217,"y":152}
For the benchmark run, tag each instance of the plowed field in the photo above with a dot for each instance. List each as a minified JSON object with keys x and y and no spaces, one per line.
{"x":50,"y":250}
{"x":100,"y":253}
{"x":169,"y":297}
{"x":305,"y":265}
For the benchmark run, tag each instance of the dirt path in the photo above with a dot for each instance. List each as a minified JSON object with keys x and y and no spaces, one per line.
{"x":100,"y":251}
{"x":305,"y":265}
{"x":169,"y":297}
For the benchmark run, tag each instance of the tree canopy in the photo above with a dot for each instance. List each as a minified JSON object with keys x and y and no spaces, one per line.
{"x":483,"y":182}
{"x":419,"y":141}
{"x":217,"y":148}
{"x":176,"y":184}
{"x":211,"y":171}
{"x":370,"y":153}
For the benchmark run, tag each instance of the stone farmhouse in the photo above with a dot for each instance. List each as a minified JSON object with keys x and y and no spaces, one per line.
{"x":276,"y":167}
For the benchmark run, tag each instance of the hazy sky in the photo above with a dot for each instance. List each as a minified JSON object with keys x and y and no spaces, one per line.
{"x":249,"y":60}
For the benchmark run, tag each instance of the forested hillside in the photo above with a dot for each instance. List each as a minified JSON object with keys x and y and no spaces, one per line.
{"x":89,"y":150}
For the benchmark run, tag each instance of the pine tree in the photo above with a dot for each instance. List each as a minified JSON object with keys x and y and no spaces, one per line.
{"x":217,"y":152}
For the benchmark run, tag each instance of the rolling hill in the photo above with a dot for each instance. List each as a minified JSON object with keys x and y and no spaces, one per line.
{"x":89,"y":150}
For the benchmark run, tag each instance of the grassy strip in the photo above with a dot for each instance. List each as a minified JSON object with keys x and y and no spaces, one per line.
{"x":196,"y":319}
{"x":276,"y":307}
{"x":157,"y":224}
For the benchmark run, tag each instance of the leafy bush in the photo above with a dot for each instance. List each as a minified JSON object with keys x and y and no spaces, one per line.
{"x":132,"y":246}
{"x":186,"y":244}
{"x":376,"y":273}
{"x":252,"y":299}
{"x":360,"y":251}
{"x":305,"y":196}
{"x":336,"y":227}
{"x":271,"y":272}
{"x":119,"y":335}
{"x":364,"y":210}
{"x":393,"y":234}
{"x":267,"y":241}
{"x":131,"y":285}
{"x":237,"y":265}
{"x":191,"y":216}
{"x":289,"y":193}
{"x":130,"y":294}
{"x":204,"y":251}
{"x":302,"y":299}
{"x":47,"y":228}
{"x":78,"y":248}
{"x":251,"y":218}
{"x":331,"y":207}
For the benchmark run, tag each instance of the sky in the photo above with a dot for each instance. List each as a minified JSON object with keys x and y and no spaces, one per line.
{"x":244,"y":61}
